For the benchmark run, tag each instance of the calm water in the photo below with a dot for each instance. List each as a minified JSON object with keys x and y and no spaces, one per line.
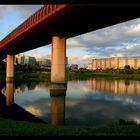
{"x":87,"y":102}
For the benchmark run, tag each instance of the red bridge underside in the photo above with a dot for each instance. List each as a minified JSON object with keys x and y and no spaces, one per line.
{"x":66,"y":21}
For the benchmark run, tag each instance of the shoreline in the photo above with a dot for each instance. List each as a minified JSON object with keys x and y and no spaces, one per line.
{"x":10,"y":127}
{"x":46,"y":76}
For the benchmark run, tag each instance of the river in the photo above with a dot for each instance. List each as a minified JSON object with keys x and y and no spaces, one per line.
{"x":84,"y":102}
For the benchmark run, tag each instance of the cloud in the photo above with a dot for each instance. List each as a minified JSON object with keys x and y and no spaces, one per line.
{"x":81,"y":60}
{"x":121,"y":39}
{"x":3,"y":10}
{"x":37,"y":55}
{"x":48,"y":56}
{"x":16,"y":14}
{"x":134,"y":30}
{"x":26,"y":10}
{"x":73,"y":42}
{"x":131,"y":49}
{"x":23,"y":10}
{"x":111,"y":40}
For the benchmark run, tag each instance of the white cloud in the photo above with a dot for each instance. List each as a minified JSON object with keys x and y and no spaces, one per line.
{"x":48,"y":56}
{"x":130,"y":46}
{"x":81,"y":60}
{"x":37,"y":55}
{"x":116,"y":54}
{"x":23,"y":10}
{"x":134,"y":30}
{"x":121,"y":39}
{"x":85,"y":57}
{"x":73,"y":42}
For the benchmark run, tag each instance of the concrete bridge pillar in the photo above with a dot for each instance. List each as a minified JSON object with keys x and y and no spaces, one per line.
{"x":58,"y":60}
{"x":10,"y":68}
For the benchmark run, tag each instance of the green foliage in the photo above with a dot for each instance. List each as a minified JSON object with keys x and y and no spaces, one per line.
{"x":128,"y":74}
{"x":30,"y":68}
{"x":126,"y":67}
{"x":124,"y":122}
{"x":33,"y":73}
{"x":126,"y":70}
{"x":32,"y":76}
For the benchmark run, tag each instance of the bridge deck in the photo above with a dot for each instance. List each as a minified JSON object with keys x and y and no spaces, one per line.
{"x":63,"y":20}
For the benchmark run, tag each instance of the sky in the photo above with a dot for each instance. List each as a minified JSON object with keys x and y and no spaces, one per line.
{"x":118,"y":40}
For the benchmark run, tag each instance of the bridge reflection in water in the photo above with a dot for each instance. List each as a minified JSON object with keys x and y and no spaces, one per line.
{"x":57,"y":99}
{"x":58,"y":93}
{"x":9,"y":109}
{"x":54,"y":107}
{"x":115,"y":86}
{"x":112,"y":86}
{"x":9,"y":93}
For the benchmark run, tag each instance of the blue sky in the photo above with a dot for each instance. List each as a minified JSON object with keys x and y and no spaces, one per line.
{"x":121,"y":39}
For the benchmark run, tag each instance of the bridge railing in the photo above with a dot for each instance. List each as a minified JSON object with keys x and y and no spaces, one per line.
{"x":38,"y":16}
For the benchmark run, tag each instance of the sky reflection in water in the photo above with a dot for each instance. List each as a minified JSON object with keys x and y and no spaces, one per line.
{"x":89,"y":102}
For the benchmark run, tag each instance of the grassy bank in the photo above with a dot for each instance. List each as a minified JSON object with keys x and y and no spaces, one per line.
{"x":28,"y":76}
{"x":34,"y":76}
{"x":96,"y":74}
{"x":77,"y":75}
{"x":21,"y":128}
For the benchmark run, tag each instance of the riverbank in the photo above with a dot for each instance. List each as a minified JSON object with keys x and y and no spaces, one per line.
{"x":26,"y":76}
{"x":22,"y":128}
{"x":77,"y":75}
{"x":103,"y":75}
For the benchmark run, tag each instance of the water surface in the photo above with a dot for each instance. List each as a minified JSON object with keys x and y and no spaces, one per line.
{"x":86,"y":102}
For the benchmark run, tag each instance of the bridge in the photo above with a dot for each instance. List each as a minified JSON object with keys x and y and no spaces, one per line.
{"x":56,"y":23}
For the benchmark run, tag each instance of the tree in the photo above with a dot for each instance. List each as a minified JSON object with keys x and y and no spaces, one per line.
{"x":126,"y":67}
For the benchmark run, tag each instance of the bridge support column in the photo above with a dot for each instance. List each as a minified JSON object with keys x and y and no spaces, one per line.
{"x":10,"y":68}
{"x":58,"y":60}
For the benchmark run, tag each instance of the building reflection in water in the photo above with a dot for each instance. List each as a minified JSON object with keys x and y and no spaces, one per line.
{"x":9,"y":93}
{"x":116,"y":86}
{"x":57,"y":94}
{"x":113,"y":86}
